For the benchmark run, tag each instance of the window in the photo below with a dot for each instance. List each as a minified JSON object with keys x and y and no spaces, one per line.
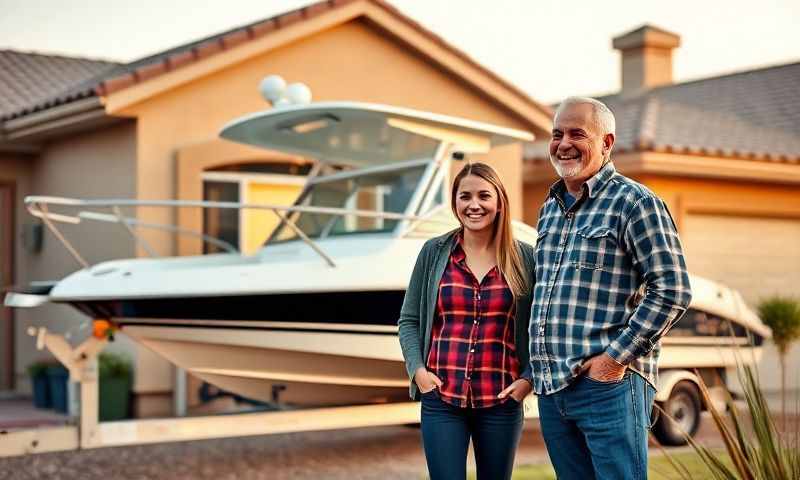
{"x":696,"y":323}
{"x":222,"y":223}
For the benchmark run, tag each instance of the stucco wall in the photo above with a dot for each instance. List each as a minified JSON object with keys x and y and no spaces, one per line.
{"x":96,"y":164}
{"x":351,"y":62}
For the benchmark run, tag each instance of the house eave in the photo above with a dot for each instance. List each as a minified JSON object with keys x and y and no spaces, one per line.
{"x":25,"y":134}
{"x":683,"y":165}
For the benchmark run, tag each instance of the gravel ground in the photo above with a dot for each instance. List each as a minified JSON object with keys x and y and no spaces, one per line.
{"x":384,"y":453}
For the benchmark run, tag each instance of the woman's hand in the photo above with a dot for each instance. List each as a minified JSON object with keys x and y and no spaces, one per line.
{"x":425,"y":380}
{"x":518,"y":390}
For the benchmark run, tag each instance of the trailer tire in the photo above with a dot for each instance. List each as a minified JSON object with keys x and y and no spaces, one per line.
{"x":684,"y":406}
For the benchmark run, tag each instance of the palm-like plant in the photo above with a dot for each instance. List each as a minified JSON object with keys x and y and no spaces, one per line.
{"x":757,"y":451}
{"x":782,"y":315}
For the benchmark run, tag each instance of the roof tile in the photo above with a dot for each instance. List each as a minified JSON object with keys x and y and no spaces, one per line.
{"x":29,"y":79}
{"x":752,"y":115}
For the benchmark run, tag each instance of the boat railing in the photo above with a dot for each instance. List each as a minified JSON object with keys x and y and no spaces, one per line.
{"x":40,"y":207}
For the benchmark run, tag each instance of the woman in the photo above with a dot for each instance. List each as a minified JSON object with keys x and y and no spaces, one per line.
{"x":464,"y":333}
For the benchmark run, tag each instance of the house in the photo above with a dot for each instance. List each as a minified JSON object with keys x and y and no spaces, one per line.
{"x":723,"y":152}
{"x":148,"y":130}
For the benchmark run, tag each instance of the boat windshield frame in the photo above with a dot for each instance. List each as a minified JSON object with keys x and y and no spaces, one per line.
{"x":422,"y":199}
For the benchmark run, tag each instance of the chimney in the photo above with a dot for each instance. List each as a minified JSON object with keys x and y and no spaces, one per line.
{"x":646,"y":58}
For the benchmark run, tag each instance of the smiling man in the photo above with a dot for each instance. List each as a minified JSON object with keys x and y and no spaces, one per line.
{"x":610,"y":281}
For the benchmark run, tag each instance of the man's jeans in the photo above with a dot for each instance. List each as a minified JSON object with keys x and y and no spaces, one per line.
{"x":446,"y":431}
{"x":598,"y":430}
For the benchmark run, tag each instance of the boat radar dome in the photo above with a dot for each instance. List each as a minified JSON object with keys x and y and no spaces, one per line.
{"x":274,"y":90}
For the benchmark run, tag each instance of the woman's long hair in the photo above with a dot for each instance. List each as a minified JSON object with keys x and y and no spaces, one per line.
{"x":508,"y":257}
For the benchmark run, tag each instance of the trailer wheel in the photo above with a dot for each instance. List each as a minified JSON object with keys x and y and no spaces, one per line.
{"x":683,"y":405}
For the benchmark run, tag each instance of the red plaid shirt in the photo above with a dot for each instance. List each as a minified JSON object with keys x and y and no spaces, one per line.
{"x":472,"y":342}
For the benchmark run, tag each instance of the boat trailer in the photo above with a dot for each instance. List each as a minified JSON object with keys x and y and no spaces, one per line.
{"x":87,"y":432}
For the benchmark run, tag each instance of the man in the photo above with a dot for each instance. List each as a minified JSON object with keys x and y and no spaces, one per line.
{"x":594,"y":341}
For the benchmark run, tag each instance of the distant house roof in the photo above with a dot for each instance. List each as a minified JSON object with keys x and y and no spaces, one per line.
{"x":120,"y":76}
{"x":753,"y":114}
{"x":33,"y":81}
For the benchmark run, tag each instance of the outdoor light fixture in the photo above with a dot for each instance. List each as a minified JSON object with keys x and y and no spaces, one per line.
{"x":274,"y":90}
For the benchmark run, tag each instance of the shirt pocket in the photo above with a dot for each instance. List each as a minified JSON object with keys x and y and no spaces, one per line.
{"x":595,"y":248}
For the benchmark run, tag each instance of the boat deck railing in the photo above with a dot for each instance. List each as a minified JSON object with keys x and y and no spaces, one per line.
{"x":110,"y":211}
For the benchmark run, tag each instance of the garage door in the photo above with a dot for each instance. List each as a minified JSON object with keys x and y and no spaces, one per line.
{"x":757,"y":256}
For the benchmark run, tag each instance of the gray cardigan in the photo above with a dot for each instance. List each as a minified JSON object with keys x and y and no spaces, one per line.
{"x":419,"y":306}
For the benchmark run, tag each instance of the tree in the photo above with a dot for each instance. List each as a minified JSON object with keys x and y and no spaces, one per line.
{"x":782,"y":315}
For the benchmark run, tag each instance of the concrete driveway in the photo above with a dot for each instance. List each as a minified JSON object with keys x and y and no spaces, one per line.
{"x":371,"y":453}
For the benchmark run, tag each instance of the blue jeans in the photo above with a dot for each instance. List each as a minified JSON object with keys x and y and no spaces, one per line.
{"x":446,"y":431}
{"x":598,"y":430}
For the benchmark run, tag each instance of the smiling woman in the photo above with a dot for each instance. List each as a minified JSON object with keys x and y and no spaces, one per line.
{"x":468,"y":357}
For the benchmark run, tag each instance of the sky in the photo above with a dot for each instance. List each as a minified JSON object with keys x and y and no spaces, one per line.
{"x":549,"y":49}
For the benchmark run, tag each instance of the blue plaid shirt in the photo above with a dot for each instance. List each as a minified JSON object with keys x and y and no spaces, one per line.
{"x":592,"y":258}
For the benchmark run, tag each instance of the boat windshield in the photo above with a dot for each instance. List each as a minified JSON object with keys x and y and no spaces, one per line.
{"x":697,"y":323}
{"x":378,"y":190}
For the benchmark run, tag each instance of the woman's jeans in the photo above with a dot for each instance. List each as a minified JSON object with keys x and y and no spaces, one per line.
{"x":598,"y":430}
{"x":446,"y":431}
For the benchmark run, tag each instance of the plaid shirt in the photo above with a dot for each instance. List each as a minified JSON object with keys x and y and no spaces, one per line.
{"x":472,"y":341}
{"x":591,"y":260}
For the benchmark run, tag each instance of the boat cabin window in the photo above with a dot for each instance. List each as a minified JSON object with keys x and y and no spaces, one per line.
{"x":697,"y":323}
{"x":379,"y":191}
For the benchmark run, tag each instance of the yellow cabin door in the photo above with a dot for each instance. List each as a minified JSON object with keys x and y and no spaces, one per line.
{"x":257,"y":225}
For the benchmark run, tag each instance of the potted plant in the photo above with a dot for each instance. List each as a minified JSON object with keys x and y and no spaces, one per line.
{"x":57,"y":378}
{"x":40,"y":384}
{"x":115,"y":374}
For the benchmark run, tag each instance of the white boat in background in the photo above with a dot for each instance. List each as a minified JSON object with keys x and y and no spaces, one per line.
{"x":310,"y":319}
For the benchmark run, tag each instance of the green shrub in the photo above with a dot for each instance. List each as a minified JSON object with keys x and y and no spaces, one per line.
{"x":40,"y":367}
{"x":112,"y":365}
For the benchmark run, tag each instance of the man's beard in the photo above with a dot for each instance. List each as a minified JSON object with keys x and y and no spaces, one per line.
{"x":565,"y":172}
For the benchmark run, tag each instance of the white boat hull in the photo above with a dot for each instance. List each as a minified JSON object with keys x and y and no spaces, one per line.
{"x":300,"y":365}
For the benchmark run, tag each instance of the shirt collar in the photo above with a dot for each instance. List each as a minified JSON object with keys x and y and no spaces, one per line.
{"x":592,"y":185}
{"x":459,"y":256}
{"x":457,"y":252}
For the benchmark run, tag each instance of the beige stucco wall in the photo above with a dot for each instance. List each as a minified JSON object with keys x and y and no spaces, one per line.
{"x":96,"y":164}
{"x":350,"y":62}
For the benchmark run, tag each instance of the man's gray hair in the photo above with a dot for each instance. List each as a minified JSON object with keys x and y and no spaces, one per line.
{"x":603,"y":117}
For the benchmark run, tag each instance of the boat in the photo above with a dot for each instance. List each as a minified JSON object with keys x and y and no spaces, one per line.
{"x":310,"y":318}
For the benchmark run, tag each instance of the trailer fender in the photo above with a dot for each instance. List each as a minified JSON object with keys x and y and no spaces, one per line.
{"x":669,"y":378}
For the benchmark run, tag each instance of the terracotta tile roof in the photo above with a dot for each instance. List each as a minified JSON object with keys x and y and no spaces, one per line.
{"x":125,"y":75}
{"x":32,"y":81}
{"x":752,"y":115}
